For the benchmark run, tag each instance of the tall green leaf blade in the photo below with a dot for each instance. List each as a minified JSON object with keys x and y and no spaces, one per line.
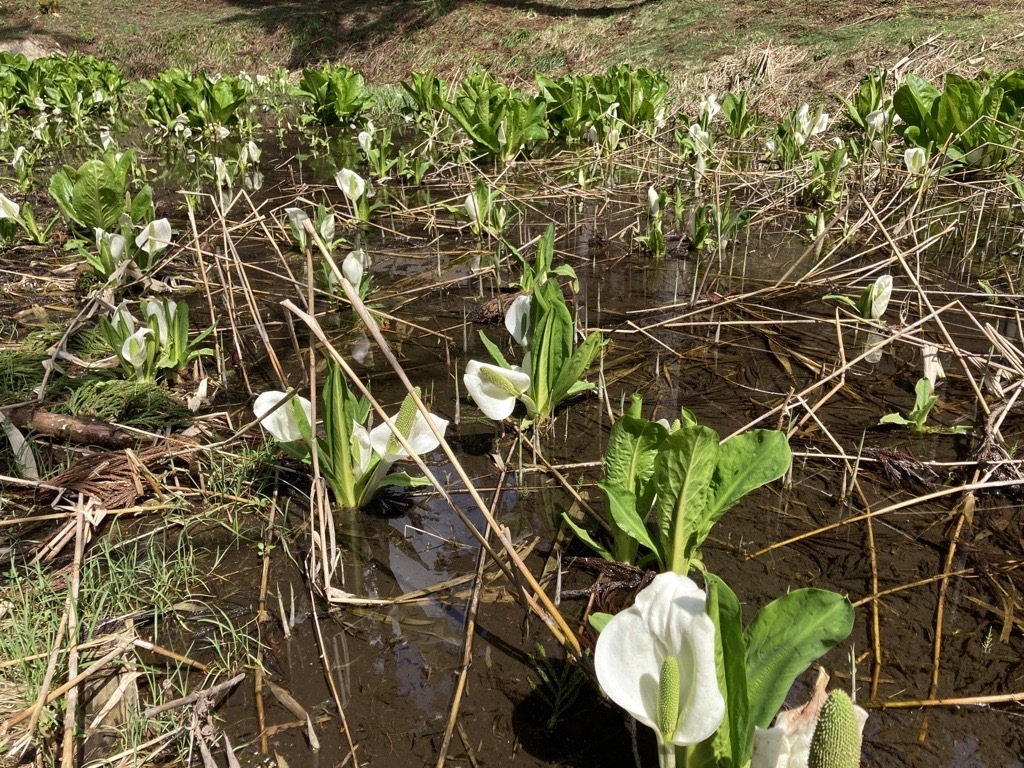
{"x":62,"y":186}
{"x":682,"y":475}
{"x":578,"y":364}
{"x":732,"y":743}
{"x":782,"y":641}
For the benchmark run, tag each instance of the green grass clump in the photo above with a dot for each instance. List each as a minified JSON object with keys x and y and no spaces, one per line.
{"x":141,"y":404}
{"x":20,"y":372}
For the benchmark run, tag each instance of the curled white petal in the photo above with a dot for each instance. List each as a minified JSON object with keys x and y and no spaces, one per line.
{"x":495,"y":389}
{"x":915,"y":159}
{"x":517,"y":320}
{"x":154,"y":237}
{"x":281,"y":423}
{"x":352,"y":268}
{"x":134,"y":348}
{"x":351,"y":184}
{"x":8,"y":208}
{"x":420,"y":438}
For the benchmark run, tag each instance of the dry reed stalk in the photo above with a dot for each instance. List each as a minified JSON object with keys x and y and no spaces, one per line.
{"x":470,"y":624}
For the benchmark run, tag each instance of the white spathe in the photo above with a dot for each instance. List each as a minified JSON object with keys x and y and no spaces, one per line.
{"x":351,"y":184}
{"x":653,"y":201}
{"x":366,"y":141}
{"x":162,"y":314}
{"x":8,"y":208}
{"x":295,"y":217}
{"x":517,"y":319}
{"x":352,"y":268}
{"x":875,"y":121}
{"x":668,"y":618}
{"x":282,"y":423}
{"x":420,"y":438}
{"x":362,"y":451}
{"x":881,"y":292}
{"x":154,"y":237}
{"x":915,"y":159}
{"x":114,"y":242}
{"x":495,"y":389}
{"x":787,"y":744}
{"x":133,"y":350}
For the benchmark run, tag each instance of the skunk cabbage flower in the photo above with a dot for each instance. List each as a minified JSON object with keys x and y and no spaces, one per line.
{"x":134,"y":348}
{"x":154,"y":237}
{"x":701,"y":138}
{"x":653,"y":201}
{"x":162,"y":314}
{"x":495,"y":389}
{"x":710,"y":107}
{"x":366,"y":141}
{"x":419,"y":436}
{"x":352,"y":269}
{"x":472,"y":210}
{"x":878,"y":299}
{"x":351,"y":184}
{"x":122,"y":318}
{"x":915,"y":159}
{"x":517,"y":320}
{"x":8,"y":208}
{"x":282,"y":423}
{"x":875,"y":121}
{"x":113,"y":242}
{"x":787,"y":744}
{"x":656,"y":660}
{"x":362,"y":451}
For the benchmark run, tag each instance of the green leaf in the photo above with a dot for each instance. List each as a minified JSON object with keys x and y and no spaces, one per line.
{"x":782,"y":641}
{"x":494,"y":352}
{"x":599,"y":620}
{"x":683,"y":474}
{"x":571,"y":373}
{"x":745,"y":462}
{"x":732,"y":743}
{"x":587,"y":539}
{"x":895,"y":418}
{"x":624,"y":512}
{"x":403,"y":480}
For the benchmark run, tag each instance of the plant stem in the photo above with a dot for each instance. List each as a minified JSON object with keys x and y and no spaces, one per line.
{"x":666,"y":754}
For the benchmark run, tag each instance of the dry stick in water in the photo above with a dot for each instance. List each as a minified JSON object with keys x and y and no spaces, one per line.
{"x":467,"y":638}
{"x":539,"y":601}
{"x":886,"y":510}
{"x":218,"y":351}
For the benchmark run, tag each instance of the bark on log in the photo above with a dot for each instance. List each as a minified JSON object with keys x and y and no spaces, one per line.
{"x":74,"y":428}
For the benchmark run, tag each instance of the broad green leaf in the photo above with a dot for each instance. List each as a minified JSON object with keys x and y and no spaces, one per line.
{"x":683,"y":473}
{"x":782,"y":641}
{"x":599,"y":620}
{"x":622,"y":508}
{"x":403,"y":480}
{"x":745,"y":462}
{"x":97,"y":197}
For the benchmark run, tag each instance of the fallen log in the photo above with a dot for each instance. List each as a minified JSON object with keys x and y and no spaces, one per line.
{"x":77,"y":429}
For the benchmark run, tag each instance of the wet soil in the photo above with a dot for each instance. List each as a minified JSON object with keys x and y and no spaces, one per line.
{"x":731,"y":361}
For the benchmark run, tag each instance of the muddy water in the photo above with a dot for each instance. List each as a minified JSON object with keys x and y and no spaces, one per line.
{"x":730,"y":361}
